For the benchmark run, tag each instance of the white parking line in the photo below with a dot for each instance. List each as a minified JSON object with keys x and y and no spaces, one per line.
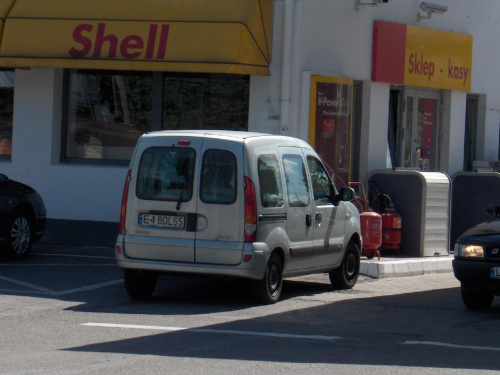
{"x":10,"y":265}
{"x":61,"y":293}
{"x":73,"y":256}
{"x":447,"y":345}
{"x":22,"y":283}
{"x":271,"y":334}
{"x":207,"y":330}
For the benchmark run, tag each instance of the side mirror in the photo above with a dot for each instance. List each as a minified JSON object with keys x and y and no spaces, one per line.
{"x":346,"y":194}
{"x":493,"y":211}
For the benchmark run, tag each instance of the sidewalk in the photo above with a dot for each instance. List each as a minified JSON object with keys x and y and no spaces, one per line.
{"x":388,"y":267}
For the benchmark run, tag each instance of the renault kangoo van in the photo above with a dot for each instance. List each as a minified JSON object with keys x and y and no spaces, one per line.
{"x":229,"y":203}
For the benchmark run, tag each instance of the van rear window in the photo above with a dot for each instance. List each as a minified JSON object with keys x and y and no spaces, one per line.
{"x":166,"y":173}
{"x":218,"y":177}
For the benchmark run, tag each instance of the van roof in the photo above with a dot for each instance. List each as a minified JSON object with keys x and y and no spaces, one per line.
{"x":236,"y":134}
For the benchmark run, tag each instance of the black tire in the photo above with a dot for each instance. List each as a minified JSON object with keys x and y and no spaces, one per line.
{"x":20,"y":236}
{"x":140,"y":285}
{"x":475,"y":300}
{"x":346,"y":276}
{"x":269,"y":288}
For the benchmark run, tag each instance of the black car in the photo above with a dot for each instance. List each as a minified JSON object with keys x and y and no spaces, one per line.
{"x":22,"y":218}
{"x":477,"y":262}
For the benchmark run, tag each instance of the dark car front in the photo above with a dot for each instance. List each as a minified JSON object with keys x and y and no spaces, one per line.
{"x":477,"y":262}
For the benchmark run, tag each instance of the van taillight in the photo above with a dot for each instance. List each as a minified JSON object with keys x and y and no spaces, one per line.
{"x":123,"y":210}
{"x":250,"y":211}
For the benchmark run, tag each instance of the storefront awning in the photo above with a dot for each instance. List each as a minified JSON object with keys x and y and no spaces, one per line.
{"x":208,"y":36}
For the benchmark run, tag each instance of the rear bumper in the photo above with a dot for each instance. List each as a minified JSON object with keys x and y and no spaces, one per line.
{"x":475,"y":274}
{"x":253,"y":269}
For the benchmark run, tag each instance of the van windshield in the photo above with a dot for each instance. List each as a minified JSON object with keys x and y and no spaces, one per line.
{"x":166,"y":173}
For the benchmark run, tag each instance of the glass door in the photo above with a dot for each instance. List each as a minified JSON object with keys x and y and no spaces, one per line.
{"x":419,"y":138}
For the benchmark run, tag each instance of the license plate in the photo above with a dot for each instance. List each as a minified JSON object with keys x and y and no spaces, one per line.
{"x":162,"y":221}
{"x":495,"y":272}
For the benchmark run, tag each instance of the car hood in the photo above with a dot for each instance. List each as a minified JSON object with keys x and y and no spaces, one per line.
{"x":487,"y":231}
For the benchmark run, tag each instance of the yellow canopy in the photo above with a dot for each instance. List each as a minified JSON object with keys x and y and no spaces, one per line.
{"x":209,"y":36}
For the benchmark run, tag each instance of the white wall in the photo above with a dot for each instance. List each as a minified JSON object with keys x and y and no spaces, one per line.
{"x":69,"y":191}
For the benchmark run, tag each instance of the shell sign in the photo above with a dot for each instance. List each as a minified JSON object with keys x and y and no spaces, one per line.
{"x":418,"y":56}
{"x":203,"y":36}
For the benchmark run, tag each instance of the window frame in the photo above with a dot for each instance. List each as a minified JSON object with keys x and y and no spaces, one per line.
{"x":157,"y":108}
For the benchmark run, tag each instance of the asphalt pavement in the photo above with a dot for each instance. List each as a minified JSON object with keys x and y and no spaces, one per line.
{"x":377,"y":268}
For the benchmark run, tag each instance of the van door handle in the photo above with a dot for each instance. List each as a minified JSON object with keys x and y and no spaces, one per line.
{"x":308,"y":219}
{"x":318,"y":218}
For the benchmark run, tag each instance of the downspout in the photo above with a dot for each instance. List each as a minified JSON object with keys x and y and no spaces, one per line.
{"x":286,"y":66}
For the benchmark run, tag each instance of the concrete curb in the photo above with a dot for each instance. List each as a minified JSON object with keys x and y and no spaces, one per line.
{"x":386,"y":268}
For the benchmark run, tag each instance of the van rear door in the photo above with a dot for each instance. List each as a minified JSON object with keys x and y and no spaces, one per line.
{"x":220,"y":203}
{"x":161,"y":209}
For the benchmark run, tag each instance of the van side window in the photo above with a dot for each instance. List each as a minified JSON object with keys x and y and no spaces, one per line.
{"x":166,"y":173}
{"x":271,"y":190}
{"x":322,"y":187}
{"x":218,"y":177}
{"x":297,"y":186}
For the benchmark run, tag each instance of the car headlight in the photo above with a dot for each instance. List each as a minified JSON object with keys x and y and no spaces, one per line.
{"x":470,"y":251}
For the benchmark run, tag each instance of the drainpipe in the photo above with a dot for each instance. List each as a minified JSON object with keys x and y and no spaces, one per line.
{"x":286,"y":66}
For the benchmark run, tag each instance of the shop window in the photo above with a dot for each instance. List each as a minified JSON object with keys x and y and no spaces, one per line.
{"x":6,"y":111}
{"x":213,"y":101}
{"x":107,"y":113}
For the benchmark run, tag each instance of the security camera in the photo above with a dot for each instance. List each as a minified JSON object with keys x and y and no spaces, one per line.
{"x":433,"y":8}
{"x":360,"y":3}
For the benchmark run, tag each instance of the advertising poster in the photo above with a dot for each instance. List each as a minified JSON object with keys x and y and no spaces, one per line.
{"x":330,"y":124}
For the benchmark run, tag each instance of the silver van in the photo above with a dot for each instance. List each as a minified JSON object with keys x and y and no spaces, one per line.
{"x":230,"y":203}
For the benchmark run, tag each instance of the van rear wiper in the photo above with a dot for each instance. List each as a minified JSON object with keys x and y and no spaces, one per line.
{"x":178,"y":207}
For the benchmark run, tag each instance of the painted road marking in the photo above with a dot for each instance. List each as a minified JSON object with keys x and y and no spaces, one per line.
{"x":207,"y":330}
{"x":447,"y":345}
{"x":22,"y":283}
{"x":61,"y":293}
{"x":72,"y":256}
{"x":271,"y":334}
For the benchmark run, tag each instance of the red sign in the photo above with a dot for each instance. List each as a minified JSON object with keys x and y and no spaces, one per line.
{"x":98,"y":43}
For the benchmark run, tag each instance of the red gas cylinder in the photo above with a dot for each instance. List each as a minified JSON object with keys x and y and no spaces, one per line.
{"x":371,"y":231}
{"x":391,"y":229}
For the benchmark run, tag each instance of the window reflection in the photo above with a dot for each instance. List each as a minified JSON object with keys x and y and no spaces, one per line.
{"x":211,"y":101}
{"x":107,"y":114}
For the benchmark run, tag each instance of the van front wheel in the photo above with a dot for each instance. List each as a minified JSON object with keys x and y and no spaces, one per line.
{"x":139,"y":284}
{"x":269,"y":288}
{"x":345,"y":276}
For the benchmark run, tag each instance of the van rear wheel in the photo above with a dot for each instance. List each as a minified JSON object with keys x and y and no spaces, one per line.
{"x":140,"y":284}
{"x":269,"y":288}
{"x":345,"y":276}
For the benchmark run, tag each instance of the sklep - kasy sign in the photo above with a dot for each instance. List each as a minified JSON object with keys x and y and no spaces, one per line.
{"x":422,"y":57}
